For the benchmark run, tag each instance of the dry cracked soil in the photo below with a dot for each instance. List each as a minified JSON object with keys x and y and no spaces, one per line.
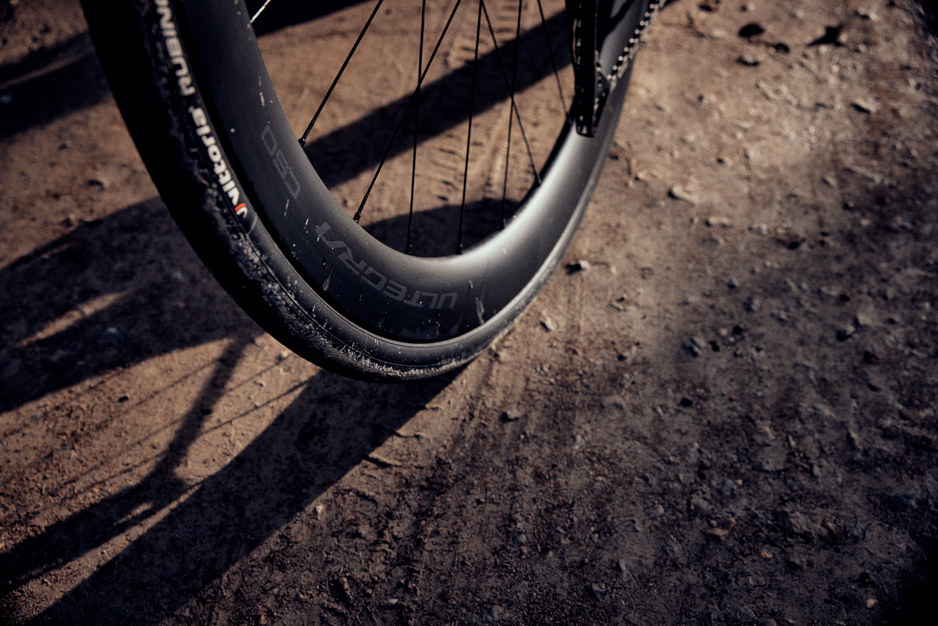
{"x":726,"y":415}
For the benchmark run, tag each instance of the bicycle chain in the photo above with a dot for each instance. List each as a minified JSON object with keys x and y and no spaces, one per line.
{"x":628,"y":53}
{"x":590,"y":102}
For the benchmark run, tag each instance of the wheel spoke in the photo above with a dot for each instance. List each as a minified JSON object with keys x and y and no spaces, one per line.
{"x":259,"y":11}
{"x":472,"y":97}
{"x":510,"y":87}
{"x":335,"y":81}
{"x":514,"y":81}
{"x":550,"y":53}
{"x":403,"y":118}
{"x":409,"y":248}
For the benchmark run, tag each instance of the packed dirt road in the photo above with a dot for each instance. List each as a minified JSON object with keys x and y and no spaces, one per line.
{"x":727,"y":415}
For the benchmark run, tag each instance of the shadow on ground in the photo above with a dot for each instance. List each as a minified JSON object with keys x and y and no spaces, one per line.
{"x":116,"y":292}
{"x":111,"y":293}
{"x":158,"y":299}
{"x":332,"y":426}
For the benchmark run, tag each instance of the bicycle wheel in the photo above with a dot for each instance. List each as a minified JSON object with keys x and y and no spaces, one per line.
{"x":336,"y":248}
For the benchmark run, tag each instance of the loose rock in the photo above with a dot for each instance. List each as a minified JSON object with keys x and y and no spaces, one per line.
{"x":679,"y":193}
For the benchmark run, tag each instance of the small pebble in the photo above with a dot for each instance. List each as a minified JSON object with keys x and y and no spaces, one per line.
{"x":718,"y":222}
{"x":865,"y":105}
{"x":511,"y":415}
{"x":598,"y":590}
{"x":845,"y":333}
{"x":753,"y":29}
{"x":679,"y":193}
{"x":613,"y":402}
{"x":548,"y":324}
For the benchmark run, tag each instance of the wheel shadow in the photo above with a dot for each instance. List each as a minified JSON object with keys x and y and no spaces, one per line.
{"x":111,"y":293}
{"x":94,"y":526}
{"x":116,"y":292}
{"x":331,"y":427}
{"x":48,"y":84}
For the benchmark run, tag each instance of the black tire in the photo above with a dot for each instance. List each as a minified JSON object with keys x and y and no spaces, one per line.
{"x":196,"y":96}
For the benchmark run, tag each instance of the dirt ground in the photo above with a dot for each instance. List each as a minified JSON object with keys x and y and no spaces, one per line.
{"x":729,"y":417}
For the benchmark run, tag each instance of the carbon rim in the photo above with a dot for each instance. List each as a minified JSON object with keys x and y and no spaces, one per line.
{"x":388,"y":293}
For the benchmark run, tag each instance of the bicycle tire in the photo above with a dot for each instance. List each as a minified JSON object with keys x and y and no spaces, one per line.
{"x":226,"y":161}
